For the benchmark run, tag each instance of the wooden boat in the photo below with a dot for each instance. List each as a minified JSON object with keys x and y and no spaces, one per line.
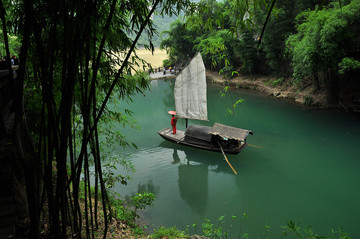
{"x":231,"y":139}
{"x":191,"y":103}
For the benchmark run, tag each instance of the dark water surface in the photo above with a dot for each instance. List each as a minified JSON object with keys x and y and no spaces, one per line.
{"x":307,"y":169}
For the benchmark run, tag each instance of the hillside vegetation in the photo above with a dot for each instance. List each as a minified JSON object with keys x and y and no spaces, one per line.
{"x":300,"y":43}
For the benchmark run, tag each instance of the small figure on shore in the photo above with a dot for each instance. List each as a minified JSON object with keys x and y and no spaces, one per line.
{"x":164,"y":69}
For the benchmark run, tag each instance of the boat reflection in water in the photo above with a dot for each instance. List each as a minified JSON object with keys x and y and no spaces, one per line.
{"x":194,"y":174}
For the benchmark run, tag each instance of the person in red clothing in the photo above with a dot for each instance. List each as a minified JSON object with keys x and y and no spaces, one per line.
{"x":173,"y":123}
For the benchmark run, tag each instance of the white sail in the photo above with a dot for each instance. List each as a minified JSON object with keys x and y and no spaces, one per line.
{"x":190,"y":91}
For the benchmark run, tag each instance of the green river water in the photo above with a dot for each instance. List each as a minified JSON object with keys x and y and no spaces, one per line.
{"x":307,"y":169}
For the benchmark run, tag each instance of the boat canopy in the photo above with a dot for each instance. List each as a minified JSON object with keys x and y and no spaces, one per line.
{"x":229,"y":132}
{"x":199,"y":132}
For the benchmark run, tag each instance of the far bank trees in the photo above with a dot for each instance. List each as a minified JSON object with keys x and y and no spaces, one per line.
{"x":303,"y":42}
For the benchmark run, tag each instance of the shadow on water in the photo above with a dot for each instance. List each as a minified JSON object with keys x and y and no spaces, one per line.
{"x":193,"y":177}
{"x":214,"y":161}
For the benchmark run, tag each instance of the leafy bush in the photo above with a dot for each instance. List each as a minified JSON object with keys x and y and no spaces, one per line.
{"x":307,"y":232}
{"x":275,"y":82}
{"x":163,"y":232}
{"x":14,"y":45}
{"x":308,"y":100}
{"x":216,"y":231}
{"x":348,"y":64}
{"x":168,"y":62}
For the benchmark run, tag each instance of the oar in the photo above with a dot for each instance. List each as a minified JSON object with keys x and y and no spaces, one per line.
{"x":222,"y":151}
{"x":259,"y":147}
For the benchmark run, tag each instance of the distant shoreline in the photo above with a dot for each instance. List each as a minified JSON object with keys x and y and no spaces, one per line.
{"x":261,"y":84}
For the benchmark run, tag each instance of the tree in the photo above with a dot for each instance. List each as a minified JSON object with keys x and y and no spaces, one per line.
{"x":324,"y":39}
{"x":73,"y":55}
{"x":247,"y":52}
{"x":220,"y":30}
{"x":180,"y":43}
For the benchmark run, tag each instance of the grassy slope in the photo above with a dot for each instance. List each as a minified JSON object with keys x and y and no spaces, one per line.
{"x":155,"y":60}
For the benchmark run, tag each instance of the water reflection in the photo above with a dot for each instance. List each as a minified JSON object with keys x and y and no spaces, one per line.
{"x":193,"y":169}
{"x":193,"y":186}
{"x":176,"y":157}
{"x":144,"y":187}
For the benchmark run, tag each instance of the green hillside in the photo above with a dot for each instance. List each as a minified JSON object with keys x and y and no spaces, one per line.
{"x":161,"y":24}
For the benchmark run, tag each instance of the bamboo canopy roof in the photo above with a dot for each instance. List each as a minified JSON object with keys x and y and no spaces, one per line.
{"x":229,"y":132}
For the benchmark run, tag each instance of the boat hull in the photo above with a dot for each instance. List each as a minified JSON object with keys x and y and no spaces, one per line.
{"x":180,"y":138}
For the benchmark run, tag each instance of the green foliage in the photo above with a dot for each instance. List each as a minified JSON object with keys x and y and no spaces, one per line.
{"x":141,"y":200}
{"x":168,"y":62}
{"x":213,"y":231}
{"x":223,"y":93}
{"x":203,"y":32}
{"x":266,"y":232}
{"x":247,"y":52}
{"x":313,"y":41}
{"x":138,"y":231}
{"x":291,"y":230}
{"x":179,"y":43}
{"x":110,"y":168}
{"x":275,"y":82}
{"x":214,"y":49}
{"x":14,"y":45}
{"x":279,"y":27}
{"x":230,"y":110}
{"x":348,"y":64}
{"x":78,"y":53}
{"x":325,"y":40}
{"x":216,"y":231}
{"x":163,"y":232}
{"x":278,"y":81}
{"x":299,"y":231}
{"x":128,"y":213}
{"x":308,"y":100}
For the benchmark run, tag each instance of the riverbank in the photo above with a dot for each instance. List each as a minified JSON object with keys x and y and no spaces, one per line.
{"x":276,"y":87}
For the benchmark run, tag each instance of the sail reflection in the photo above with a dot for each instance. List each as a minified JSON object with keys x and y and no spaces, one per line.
{"x":193,"y":186}
{"x":194,"y":167}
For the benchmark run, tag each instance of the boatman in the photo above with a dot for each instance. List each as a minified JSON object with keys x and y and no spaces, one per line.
{"x":173,"y":123}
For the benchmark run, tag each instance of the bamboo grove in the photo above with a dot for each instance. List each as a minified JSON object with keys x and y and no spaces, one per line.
{"x":75,"y":57}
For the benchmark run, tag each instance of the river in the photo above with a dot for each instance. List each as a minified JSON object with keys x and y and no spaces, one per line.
{"x":303,"y":165}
